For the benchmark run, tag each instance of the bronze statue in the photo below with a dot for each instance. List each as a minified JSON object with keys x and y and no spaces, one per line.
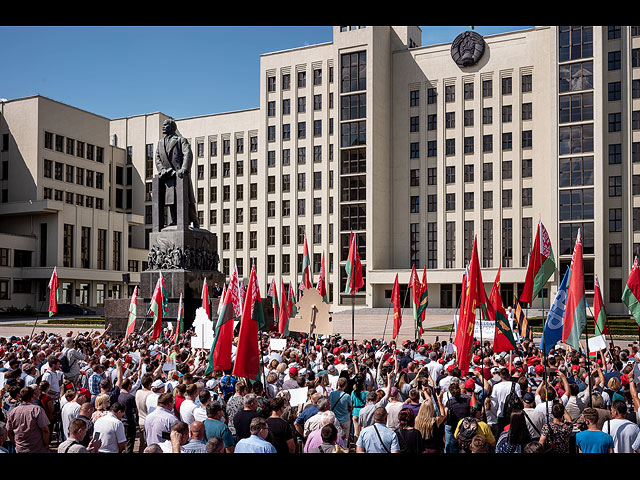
{"x":174,"y":159}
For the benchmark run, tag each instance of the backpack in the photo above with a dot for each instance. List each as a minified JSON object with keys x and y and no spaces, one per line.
{"x":512,"y":402}
{"x":65,"y":366}
{"x":468,"y":430}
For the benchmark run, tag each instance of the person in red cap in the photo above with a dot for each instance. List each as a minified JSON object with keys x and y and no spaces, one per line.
{"x":293,"y":379}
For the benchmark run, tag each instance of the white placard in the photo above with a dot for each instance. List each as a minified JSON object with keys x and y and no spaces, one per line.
{"x":170,"y":326}
{"x":488,"y":327}
{"x":278,"y":344}
{"x":1,"y":380}
{"x":203,"y":329}
{"x":168,"y":366}
{"x":595,"y":344}
{"x":298,"y":396}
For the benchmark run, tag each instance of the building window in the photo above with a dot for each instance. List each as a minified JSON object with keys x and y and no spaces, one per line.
{"x":507,"y":198}
{"x":527,"y":83}
{"x":576,"y":139}
{"x":449,"y":93}
{"x":507,"y":141}
{"x":487,"y":116}
{"x":506,"y":86}
{"x":615,"y":255}
{"x":527,"y":168}
{"x":507,"y":242}
{"x":487,"y":88}
{"x":577,"y":107}
{"x":506,"y":113}
{"x":353,"y":72}
{"x":414,"y":244}
{"x":615,"y":220}
{"x":527,"y":111}
{"x":450,"y":245}
{"x":468,"y":200}
{"x":487,"y":143}
{"x":615,"y":122}
{"x":432,"y":203}
{"x":487,"y":172}
{"x":432,"y":148}
{"x":271,"y":84}
{"x":414,"y":124}
{"x":468,"y":91}
{"x":614,"y":61}
{"x":414,"y":150}
{"x":527,"y":139}
{"x":432,"y":245}
{"x":615,"y":186}
{"x":468,"y":118}
{"x":487,"y":243}
{"x":415,"y":204}
{"x":527,"y":197}
{"x":432,"y":176}
{"x":432,"y":122}
{"x":507,"y":169}
{"x":414,"y":98}
{"x":432,"y":96}
{"x":450,"y":175}
{"x":575,"y":76}
{"x":450,"y":120}
{"x":450,"y":146}
{"x":68,"y":245}
{"x":450,"y":202}
{"x":487,"y":199}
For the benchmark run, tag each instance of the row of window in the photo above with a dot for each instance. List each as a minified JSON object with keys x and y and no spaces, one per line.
{"x":301,"y":78}
{"x":72,"y":198}
{"x":469,"y":200}
{"x":85,"y":248}
{"x":70,"y":146}
{"x":468,"y":118}
{"x":469,"y":144}
{"x":468,"y":90}
{"x":469,"y":173}
{"x":301,"y":130}
{"x":72,"y":174}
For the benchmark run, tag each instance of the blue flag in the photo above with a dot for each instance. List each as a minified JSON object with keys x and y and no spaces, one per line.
{"x":552,"y":333}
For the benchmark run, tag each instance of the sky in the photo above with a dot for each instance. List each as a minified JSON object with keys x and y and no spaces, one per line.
{"x":180,"y":71}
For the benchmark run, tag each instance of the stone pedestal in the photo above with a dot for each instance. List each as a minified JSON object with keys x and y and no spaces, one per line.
{"x":185,"y":258}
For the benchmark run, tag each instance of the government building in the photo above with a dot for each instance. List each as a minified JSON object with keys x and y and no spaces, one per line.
{"x":415,"y":148}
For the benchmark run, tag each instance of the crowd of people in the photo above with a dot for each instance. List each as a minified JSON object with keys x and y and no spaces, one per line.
{"x":94,"y":392}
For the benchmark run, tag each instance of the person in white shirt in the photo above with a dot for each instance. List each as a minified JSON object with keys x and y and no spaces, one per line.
{"x":434,"y":367}
{"x":157,"y":389}
{"x":111,"y":430}
{"x":545,"y":399}
{"x":500,"y":392}
{"x":189,"y":404}
{"x":71,"y":410}
{"x":623,"y":431}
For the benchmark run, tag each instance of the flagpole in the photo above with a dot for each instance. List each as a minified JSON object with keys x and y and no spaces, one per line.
{"x":353,"y":318}
{"x":458,"y":313}
{"x":385,"y":323}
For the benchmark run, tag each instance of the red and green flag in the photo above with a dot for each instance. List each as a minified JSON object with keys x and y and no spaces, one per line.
{"x":180,"y":320}
{"x":600,"y":316}
{"x":503,"y":340}
{"x":306,"y":265}
{"x":397,"y":308}
{"x":631,"y":294}
{"x":424,"y":300}
{"x":220,"y":351}
{"x":283,"y":320}
{"x":353,"y":268}
{"x":159,"y":307}
{"x":273,"y":294}
{"x":54,"y":293}
{"x":131,"y":322}
{"x":247,"y":363}
{"x":575,"y":314}
{"x":220,"y":302}
{"x":322,"y":286}
{"x":291,"y":308}
{"x":541,"y":266}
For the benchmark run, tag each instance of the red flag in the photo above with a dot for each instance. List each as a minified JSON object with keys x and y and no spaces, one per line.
{"x":247,"y":363}
{"x":397,"y":308}
{"x":205,"y":298}
{"x":156,"y":308}
{"x":322,"y":286}
{"x":53,"y":293}
{"x":424,"y":299}
{"x":474,"y":297}
{"x":353,"y":268}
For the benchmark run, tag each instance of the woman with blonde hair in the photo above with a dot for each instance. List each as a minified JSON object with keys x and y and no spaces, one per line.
{"x":430,"y":425}
{"x":102,"y":407}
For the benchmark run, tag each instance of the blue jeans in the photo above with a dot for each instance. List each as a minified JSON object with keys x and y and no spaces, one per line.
{"x":450,"y":443}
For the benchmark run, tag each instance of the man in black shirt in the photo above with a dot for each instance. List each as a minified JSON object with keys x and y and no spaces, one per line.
{"x":129,"y":420}
{"x":242,"y":419}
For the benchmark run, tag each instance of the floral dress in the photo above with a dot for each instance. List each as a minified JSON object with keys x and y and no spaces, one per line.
{"x":558,"y":437}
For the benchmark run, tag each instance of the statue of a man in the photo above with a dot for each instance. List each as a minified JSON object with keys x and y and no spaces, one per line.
{"x":174,"y":158}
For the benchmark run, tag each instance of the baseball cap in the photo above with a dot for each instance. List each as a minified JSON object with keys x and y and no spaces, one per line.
{"x":157,"y":384}
{"x":293,"y":371}
{"x":528,"y":398}
{"x":470,"y":384}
